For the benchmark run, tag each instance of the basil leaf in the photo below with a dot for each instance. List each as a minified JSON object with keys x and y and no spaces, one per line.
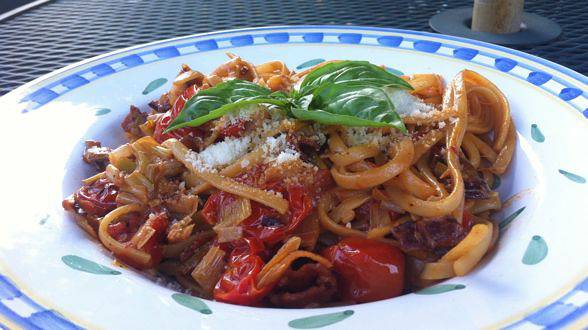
{"x":346,"y":93}
{"x":346,"y":71}
{"x":349,"y":103}
{"x":217,"y":101}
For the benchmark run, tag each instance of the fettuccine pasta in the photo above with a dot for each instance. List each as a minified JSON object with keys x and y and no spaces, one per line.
{"x":257,"y":185}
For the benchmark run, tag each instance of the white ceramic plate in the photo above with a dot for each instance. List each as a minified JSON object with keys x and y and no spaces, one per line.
{"x":50,"y":273}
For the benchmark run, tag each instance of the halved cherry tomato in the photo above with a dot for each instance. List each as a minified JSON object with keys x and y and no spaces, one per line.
{"x":167,"y":118}
{"x":215,"y":202}
{"x":238,"y":283}
{"x":264,"y":223}
{"x":368,"y":270}
{"x":269,"y":226}
{"x":97,"y":198}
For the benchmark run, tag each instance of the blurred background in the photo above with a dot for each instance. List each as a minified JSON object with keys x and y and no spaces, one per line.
{"x":54,"y":33}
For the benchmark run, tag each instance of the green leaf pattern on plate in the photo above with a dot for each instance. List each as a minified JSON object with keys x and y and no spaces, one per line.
{"x":319,"y":321}
{"x":510,"y":218}
{"x":536,"y":251}
{"x":102,"y":111}
{"x":88,"y":266}
{"x":155,"y":84}
{"x":536,"y":134}
{"x":44,"y":219}
{"x":394,"y":71}
{"x":574,"y":177}
{"x":191,"y":302}
{"x":310,"y":63}
{"x":441,"y":288}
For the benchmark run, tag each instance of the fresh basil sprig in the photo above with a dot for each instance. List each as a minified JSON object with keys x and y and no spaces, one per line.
{"x":349,"y":103}
{"x":345,"y":71}
{"x":349,"y":93}
{"x":217,"y":101}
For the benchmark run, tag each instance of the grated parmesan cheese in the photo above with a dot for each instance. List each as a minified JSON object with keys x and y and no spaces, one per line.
{"x":219,"y":154}
{"x":225,"y":152}
{"x":194,"y":159}
{"x":273,"y":145}
{"x":407,"y":104}
{"x":287,"y":156}
{"x":277,"y":149}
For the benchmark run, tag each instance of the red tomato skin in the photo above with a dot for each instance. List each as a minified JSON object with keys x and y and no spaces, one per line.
{"x":245,"y":245}
{"x":238,"y":283}
{"x":253,"y":226}
{"x":97,"y":198}
{"x":214,"y":203}
{"x":368,"y":270}
{"x":117,"y":230}
{"x":234,"y":130}
{"x":167,"y":118}
{"x":300,"y":207}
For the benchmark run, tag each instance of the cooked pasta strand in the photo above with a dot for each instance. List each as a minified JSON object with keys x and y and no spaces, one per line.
{"x":180,"y":151}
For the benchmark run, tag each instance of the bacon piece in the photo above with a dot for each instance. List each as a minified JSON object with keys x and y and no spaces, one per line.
{"x":311,"y":285}
{"x":476,"y":188}
{"x":441,"y":232}
{"x":133,"y":120}
{"x":236,"y":68}
{"x":186,"y":78}
{"x":161,"y":105}
{"x":301,"y":141}
{"x":433,"y":236}
{"x":308,"y":146}
{"x":95,"y":154}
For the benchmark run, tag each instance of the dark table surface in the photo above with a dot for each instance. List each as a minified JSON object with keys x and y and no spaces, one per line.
{"x":62,"y":32}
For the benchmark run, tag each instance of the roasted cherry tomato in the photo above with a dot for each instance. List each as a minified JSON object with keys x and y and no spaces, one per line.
{"x":238,"y":283}
{"x":269,"y":226}
{"x":215,"y":202}
{"x":167,"y":118}
{"x":368,"y":270}
{"x":97,"y":198}
{"x":264,"y":222}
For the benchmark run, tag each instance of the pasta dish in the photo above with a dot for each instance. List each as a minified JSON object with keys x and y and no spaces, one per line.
{"x":341,"y":184}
